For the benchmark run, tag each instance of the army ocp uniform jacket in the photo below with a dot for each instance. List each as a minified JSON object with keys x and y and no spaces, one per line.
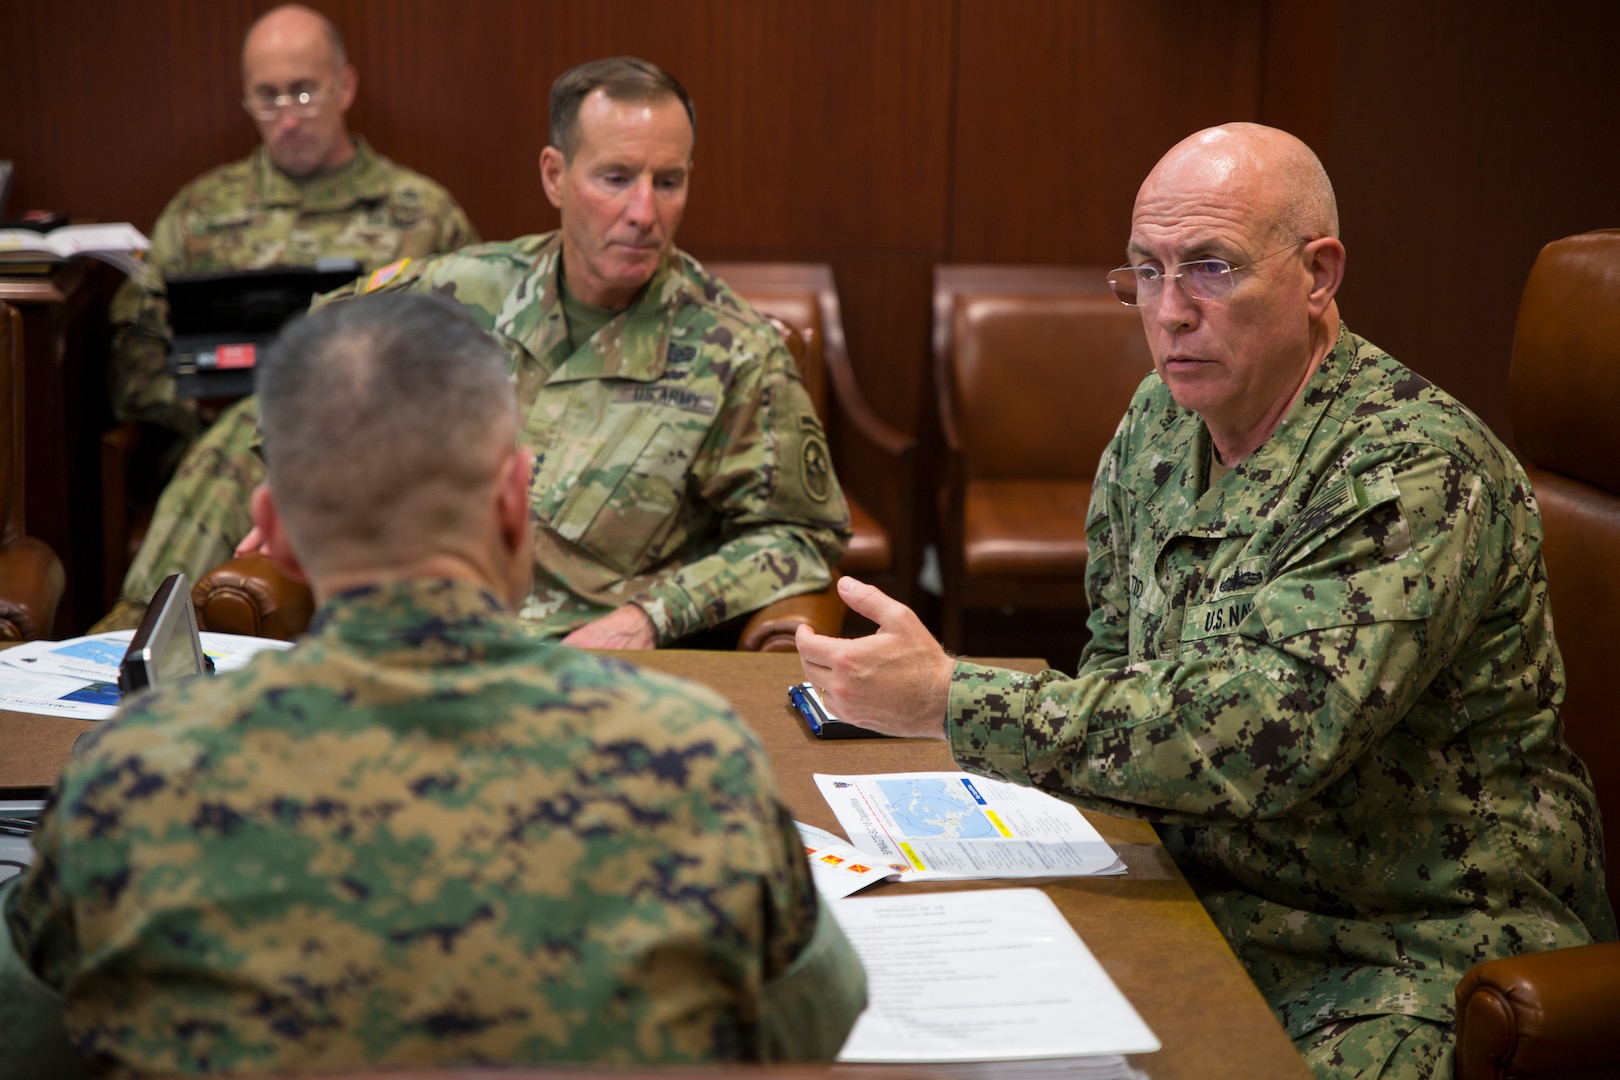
{"x":247,"y":215}
{"x":679,"y":460}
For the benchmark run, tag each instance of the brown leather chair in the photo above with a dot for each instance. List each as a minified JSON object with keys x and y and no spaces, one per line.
{"x":876,"y":464}
{"x":1033,"y":367}
{"x":31,"y":578}
{"x":1558,"y":1013}
{"x":248,"y":595}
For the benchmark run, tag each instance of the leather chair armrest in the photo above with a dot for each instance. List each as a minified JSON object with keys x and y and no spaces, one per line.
{"x":771,"y":628}
{"x":248,"y":595}
{"x":31,"y":583}
{"x":1541,"y":1014}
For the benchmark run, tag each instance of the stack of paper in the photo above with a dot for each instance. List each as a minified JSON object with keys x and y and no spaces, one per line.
{"x":955,"y":826}
{"x":992,"y":975}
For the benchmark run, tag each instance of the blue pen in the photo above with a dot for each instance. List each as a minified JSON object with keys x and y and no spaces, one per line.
{"x":800,"y":701}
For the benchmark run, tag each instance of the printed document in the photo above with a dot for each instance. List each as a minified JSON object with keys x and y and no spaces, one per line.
{"x":78,"y":678}
{"x":955,"y":826}
{"x":994,"y":974}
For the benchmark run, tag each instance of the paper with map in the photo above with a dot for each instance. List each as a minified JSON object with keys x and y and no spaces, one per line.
{"x":986,"y":975}
{"x":953,"y":826}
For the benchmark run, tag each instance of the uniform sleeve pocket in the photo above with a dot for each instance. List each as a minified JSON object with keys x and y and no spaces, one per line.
{"x":1347,"y":560}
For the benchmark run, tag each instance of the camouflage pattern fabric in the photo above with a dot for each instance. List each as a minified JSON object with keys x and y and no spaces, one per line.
{"x":679,"y":461}
{"x":248,"y":215}
{"x":426,"y":835}
{"x":1390,"y":1047}
{"x":1330,"y":678}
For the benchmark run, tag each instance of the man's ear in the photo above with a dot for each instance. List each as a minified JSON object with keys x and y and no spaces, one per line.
{"x":348,"y":84}
{"x":512,"y":501}
{"x":515,"y":525}
{"x":276,"y":547}
{"x":552,"y":167}
{"x":1324,"y":259}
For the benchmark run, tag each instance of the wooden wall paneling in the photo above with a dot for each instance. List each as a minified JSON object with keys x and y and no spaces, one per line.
{"x":110,"y":106}
{"x":1301,"y":71}
{"x":458,"y":92}
{"x":1466,"y":137}
{"x":1062,"y":107}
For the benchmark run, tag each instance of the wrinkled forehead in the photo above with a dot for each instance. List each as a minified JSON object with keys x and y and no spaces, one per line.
{"x":1190,"y":195}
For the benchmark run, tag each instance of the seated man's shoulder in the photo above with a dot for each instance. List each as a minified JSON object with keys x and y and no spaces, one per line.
{"x":710,"y":305}
{"x":222,"y":188}
{"x":407,"y":183}
{"x":1396,"y":406}
{"x":478,"y":276}
{"x":653,"y":702}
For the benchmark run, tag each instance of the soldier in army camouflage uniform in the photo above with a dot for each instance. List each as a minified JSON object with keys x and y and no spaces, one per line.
{"x":424,"y":834}
{"x":681,"y":475}
{"x":1321,"y":656}
{"x":309,"y":190}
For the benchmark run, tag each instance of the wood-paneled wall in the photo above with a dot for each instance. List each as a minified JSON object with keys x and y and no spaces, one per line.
{"x":884,"y":136}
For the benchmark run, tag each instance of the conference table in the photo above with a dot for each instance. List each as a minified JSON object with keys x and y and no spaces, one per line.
{"x":1145,"y":927}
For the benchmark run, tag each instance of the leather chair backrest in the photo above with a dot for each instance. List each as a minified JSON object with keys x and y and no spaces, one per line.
{"x":1565,"y":388}
{"x":1037,"y":382}
{"x":801,"y":310}
{"x":11,"y":423}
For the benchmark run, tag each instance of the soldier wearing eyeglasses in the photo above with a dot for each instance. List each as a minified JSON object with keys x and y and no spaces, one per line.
{"x":311,"y":189}
{"x":1321,"y":656}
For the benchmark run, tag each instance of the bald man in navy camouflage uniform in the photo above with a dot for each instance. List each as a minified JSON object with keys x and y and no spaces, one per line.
{"x":1321,"y":654}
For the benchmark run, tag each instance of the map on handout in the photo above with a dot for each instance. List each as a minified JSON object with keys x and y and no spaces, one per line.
{"x":952,"y":825}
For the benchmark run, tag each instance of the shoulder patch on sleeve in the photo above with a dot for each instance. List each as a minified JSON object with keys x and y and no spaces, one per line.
{"x":815,"y":462}
{"x":383,"y":275}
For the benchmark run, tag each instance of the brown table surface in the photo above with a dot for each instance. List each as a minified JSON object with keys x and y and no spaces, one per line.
{"x":1145,"y":927}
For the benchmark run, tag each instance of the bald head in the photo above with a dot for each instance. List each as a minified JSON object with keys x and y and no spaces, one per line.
{"x":1265,"y":168}
{"x":294,"y":26}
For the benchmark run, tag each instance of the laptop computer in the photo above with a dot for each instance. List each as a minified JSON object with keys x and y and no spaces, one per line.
{"x":221,"y":320}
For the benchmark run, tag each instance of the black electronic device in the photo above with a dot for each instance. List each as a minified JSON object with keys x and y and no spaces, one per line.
{"x":167,"y":645}
{"x":221,"y":320}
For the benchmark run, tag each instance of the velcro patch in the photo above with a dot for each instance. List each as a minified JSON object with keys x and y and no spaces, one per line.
{"x":383,"y":275}
{"x":815,"y":461}
{"x":675,"y":397}
{"x":1220,"y":617}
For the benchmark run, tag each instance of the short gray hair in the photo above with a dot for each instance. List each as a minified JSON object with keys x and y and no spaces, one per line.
{"x":385,"y":420}
{"x":1307,"y":209}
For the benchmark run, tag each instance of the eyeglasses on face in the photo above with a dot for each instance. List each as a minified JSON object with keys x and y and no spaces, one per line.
{"x":1202,"y":279}
{"x":265,"y":106}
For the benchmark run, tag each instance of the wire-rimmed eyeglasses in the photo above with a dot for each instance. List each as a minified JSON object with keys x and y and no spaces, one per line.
{"x":265,"y":106}
{"x":1203,"y":279}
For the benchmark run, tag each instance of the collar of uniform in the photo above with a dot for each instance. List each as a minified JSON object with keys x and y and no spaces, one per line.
{"x":632,"y":346}
{"x":360,"y":179}
{"x":1249,"y":493}
{"x":411,"y":614}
